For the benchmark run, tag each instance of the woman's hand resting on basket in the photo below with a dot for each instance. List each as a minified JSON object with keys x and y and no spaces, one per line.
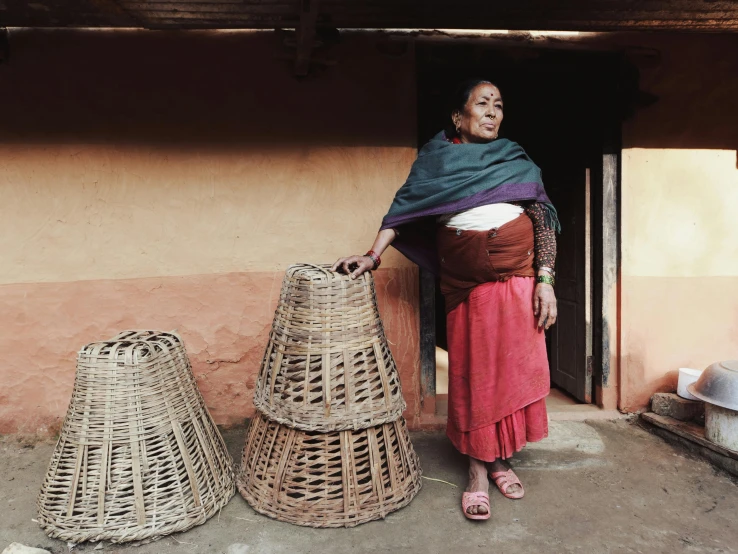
{"x":356,"y":265}
{"x":353,"y":265}
{"x":544,"y":305}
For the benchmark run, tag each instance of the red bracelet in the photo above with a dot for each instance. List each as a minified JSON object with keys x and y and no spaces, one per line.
{"x":375,"y":258}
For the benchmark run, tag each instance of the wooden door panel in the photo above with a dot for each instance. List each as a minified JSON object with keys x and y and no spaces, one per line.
{"x":565,"y":365}
{"x":567,"y":339}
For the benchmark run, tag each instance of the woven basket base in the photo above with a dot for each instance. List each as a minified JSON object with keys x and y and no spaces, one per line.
{"x":338,"y":479}
{"x":131,"y":533}
{"x":169,"y":509}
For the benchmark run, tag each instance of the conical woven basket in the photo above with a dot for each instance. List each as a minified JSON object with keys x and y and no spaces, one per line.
{"x":328,"y":366}
{"x":139,"y":456}
{"x":336,"y":479}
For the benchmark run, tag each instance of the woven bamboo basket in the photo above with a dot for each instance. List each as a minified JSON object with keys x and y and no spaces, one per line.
{"x":139,"y":456}
{"x":337,"y":479}
{"x":328,"y":366}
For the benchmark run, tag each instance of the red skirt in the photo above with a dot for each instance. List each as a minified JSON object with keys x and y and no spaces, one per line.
{"x":498,"y":371}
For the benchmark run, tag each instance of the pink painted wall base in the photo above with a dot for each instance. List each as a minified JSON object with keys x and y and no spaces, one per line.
{"x":224,"y":320}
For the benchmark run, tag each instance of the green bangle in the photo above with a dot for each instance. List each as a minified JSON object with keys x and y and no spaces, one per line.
{"x":546,"y":279}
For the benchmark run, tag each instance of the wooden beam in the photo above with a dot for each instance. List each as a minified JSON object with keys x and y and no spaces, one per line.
{"x":427,"y":334}
{"x":610,"y":265}
{"x":691,"y":437}
{"x":306,"y":35}
{"x":4,"y":44}
{"x":117,"y":15}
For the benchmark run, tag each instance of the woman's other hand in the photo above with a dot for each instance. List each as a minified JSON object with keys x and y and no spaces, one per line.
{"x":544,"y":305}
{"x":353,"y":265}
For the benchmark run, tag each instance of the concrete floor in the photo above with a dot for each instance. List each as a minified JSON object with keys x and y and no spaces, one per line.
{"x":594,"y":487}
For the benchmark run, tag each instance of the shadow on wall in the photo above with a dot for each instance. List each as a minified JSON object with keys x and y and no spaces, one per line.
{"x":230,"y":88}
{"x":205,"y":88}
{"x":695,"y":79}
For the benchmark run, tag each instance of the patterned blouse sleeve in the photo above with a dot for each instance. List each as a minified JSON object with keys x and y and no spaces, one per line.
{"x":545,"y":238}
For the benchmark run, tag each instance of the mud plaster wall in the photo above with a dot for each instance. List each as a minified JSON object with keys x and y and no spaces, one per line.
{"x":679,"y":278}
{"x":154,"y":180}
{"x":163,"y":181}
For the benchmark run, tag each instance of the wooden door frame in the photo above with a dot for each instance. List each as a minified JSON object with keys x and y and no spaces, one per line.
{"x":607,"y":288}
{"x":605,"y":239}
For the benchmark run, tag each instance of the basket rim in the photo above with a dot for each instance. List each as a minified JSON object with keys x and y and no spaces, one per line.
{"x":357,"y":423}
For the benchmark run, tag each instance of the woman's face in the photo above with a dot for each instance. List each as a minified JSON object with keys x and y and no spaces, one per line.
{"x":482,"y":116}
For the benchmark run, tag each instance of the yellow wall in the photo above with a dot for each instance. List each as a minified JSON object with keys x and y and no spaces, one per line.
{"x":99,"y":212}
{"x":680,"y":213}
{"x":680,"y":266}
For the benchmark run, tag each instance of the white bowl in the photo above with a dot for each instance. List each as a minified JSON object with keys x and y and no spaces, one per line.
{"x":687,"y":376}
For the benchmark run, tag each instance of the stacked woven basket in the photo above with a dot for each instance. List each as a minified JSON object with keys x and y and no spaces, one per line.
{"x":138,"y":456}
{"x":329,"y":446}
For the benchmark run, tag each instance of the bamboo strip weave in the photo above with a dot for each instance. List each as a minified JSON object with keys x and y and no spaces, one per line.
{"x":328,"y":365}
{"x":139,"y":455}
{"x":335,"y":479}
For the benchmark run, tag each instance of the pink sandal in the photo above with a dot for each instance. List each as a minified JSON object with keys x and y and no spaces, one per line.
{"x":469,"y":499}
{"x":503,"y":479}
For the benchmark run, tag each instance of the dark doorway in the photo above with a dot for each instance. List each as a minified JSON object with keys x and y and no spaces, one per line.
{"x":557,"y":105}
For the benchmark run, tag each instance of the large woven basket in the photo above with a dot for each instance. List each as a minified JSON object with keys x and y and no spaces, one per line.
{"x":337,"y":479}
{"x":327,"y":365}
{"x":139,"y":456}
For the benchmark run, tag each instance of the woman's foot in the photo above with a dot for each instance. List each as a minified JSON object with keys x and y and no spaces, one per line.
{"x":506,"y":480}
{"x":478,"y":482}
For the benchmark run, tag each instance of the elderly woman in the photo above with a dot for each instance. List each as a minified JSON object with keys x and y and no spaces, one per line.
{"x":474,"y":211}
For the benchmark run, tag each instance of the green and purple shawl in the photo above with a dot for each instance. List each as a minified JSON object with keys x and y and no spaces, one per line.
{"x":449,"y":178}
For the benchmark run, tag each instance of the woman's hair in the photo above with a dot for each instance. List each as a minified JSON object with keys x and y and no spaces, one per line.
{"x":460,"y":97}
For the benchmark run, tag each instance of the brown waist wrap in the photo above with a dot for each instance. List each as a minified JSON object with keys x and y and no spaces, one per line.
{"x":470,"y":258}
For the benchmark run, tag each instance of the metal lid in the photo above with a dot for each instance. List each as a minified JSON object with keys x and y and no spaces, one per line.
{"x":718,"y":385}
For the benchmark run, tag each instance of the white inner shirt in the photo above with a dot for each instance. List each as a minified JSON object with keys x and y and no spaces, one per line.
{"x":482,"y":218}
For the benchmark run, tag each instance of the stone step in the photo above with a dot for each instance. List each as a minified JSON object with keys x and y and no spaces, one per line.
{"x":668,"y":404}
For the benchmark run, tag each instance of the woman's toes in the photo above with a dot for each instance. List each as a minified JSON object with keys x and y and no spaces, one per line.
{"x":476,"y":510}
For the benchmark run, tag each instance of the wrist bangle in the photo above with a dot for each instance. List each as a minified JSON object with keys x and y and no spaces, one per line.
{"x":548,"y":270}
{"x":375,"y":258}
{"x":547,"y":279}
